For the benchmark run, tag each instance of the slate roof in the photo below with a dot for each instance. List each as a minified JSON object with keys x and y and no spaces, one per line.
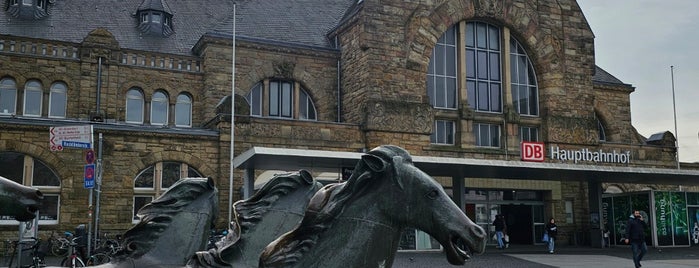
{"x":602,"y":76}
{"x":160,"y":5}
{"x":303,"y":22}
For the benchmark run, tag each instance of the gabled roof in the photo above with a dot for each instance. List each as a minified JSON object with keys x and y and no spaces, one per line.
{"x":302,"y":22}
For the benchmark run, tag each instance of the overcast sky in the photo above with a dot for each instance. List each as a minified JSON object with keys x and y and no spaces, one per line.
{"x":637,"y":41}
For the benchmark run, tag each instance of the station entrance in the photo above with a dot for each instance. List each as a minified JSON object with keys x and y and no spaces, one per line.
{"x":523,"y":211}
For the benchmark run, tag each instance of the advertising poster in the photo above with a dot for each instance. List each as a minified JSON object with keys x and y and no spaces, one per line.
{"x":694,"y":222}
{"x":622,"y":211}
{"x":641,"y":202}
{"x":607,"y":216}
{"x":663,"y":218}
{"x":679,"y":218}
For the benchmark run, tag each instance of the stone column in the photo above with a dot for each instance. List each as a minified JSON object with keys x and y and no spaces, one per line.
{"x":595,"y":204}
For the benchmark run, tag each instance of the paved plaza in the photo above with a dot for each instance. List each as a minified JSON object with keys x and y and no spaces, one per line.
{"x":573,"y":257}
{"x":536,"y":256}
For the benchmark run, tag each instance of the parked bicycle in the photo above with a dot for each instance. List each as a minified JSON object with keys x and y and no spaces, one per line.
{"x":60,"y":245}
{"x":32,"y":254}
{"x":73,"y":259}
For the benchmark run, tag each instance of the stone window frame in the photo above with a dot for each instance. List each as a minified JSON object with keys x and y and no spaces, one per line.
{"x":133,"y":99}
{"x":259,"y":99}
{"x":159,"y":177}
{"x":441,"y":134}
{"x":159,"y":100}
{"x":33,"y":98}
{"x":479,"y":129}
{"x":8,"y":89}
{"x":58,"y":100}
{"x":183,"y":106}
{"x":52,"y":193}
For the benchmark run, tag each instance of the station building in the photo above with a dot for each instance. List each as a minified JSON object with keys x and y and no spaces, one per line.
{"x":500,"y":101}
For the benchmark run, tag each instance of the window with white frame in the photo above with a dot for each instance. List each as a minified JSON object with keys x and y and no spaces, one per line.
{"x":443,"y":132}
{"x":281,"y":96}
{"x":525,"y":93}
{"x":29,"y":171}
{"x":528,"y":133}
{"x":58,"y":98}
{"x":156,"y":179}
{"x":483,"y":67}
{"x":441,"y":72}
{"x":8,"y":96}
{"x":159,"y":108}
{"x":183,"y":110}
{"x":134,"y":106}
{"x":33,"y":94}
{"x":487,"y":135}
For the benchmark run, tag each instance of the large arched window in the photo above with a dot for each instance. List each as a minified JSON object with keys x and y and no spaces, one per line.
{"x":134,"y":106}
{"x":29,"y":171}
{"x":32,"y":98}
{"x":183,"y":111}
{"x":156,"y":179}
{"x":281,"y":96}
{"x":468,"y":63}
{"x":8,"y":96}
{"x":58,"y":99}
{"x":159,"y":108}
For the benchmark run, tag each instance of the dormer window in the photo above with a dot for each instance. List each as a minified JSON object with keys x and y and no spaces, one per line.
{"x":29,"y":9}
{"x":155,"y":17}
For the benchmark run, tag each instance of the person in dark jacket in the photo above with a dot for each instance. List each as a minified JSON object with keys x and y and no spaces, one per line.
{"x":500,"y":230}
{"x":636,"y":236}
{"x":552,"y":231}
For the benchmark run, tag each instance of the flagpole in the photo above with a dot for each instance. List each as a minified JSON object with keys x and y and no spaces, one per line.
{"x":674,"y":111}
{"x":230,"y":178}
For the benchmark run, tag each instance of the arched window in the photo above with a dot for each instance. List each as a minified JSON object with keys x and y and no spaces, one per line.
{"x":134,"y":106}
{"x":525,"y":92}
{"x":58,"y":99}
{"x":156,"y":179}
{"x":613,"y":189}
{"x":159,"y":108}
{"x":280,"y":95}
{"x":476,"y":53}
{"x":600,"y":130}
{"x":29,"y":171}
{"x":8,"y":96}
{"x":183,"y":111}
{"x":32,"y":98}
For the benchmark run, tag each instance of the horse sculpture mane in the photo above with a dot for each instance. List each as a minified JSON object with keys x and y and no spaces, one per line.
{"x":328,"y":203}
{"x":158,"y":215}
{"x":253,"y":227}
{"x":358,"y":223}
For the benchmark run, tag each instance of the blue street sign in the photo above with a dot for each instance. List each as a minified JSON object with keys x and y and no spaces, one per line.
{"x":90,"y":176}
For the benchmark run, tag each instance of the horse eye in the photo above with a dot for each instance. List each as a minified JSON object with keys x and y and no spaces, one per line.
{"x":432,"y":194}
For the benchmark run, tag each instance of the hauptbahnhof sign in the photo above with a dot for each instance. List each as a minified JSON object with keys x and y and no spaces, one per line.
{"x":534,"y":151}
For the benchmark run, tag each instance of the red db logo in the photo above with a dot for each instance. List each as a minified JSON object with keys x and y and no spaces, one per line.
{"x":533,"y":151}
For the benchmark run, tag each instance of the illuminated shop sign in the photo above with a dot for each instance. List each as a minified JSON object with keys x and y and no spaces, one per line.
{"x":536,"y":152}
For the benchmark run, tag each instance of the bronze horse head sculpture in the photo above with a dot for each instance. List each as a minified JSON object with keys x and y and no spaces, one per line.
{"x":18,"y":200}
{"x":172,"y":228}
{"x":358,"y":223}
{"x":272,"y":211}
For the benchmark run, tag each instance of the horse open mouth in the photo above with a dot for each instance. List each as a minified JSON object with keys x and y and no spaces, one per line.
{"x":457,"y":250}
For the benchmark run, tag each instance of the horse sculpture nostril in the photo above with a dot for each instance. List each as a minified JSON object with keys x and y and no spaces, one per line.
{"x":39,"y":194}
{"x":478,"y":231}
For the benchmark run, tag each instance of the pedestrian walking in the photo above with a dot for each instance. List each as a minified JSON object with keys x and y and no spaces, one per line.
{"x":552,"y":231}
{"x":635,"y":235}
{"x":500,"y":230}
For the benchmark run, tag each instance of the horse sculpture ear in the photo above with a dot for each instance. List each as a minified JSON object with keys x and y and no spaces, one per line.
{"x":374,"y":163}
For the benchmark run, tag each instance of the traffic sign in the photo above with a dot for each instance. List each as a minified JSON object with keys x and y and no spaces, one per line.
{"x":89,"y":176}
{"x":70,"y":137}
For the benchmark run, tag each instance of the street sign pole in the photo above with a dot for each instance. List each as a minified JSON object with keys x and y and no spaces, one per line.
{"x":98,"y":179}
